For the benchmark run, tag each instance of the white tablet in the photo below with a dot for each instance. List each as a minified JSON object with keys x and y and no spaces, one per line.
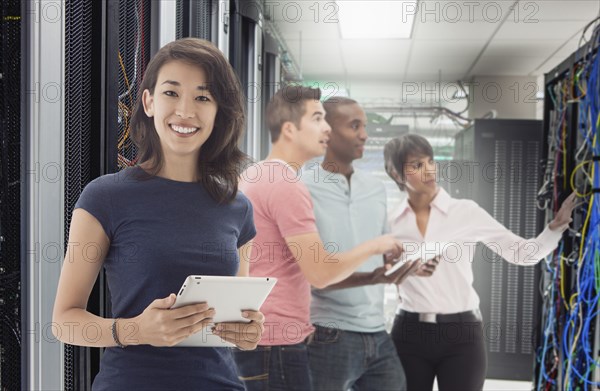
{"x":422,"y":251}
{"x":228,"y":295}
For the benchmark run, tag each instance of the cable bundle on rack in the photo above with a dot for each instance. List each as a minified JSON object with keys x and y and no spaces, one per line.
{"x":568,"y":355}
{"x":125,"y":147}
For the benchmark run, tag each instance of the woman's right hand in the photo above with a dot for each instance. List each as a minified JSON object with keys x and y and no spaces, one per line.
{"x":159,"y":325}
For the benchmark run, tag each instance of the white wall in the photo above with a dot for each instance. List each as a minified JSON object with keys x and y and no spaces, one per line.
{"x":511,"y":97}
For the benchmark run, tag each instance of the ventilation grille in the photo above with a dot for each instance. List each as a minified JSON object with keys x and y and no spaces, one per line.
{"x":531,"y":183}
{"x":193,"y":19}
{"x":499,"y":204}
{"x":10,"y":197}
{"x":179,"y":19}
{"x":78,"y":133}
{"x":513,"y":172}
{"x":202,"y":11}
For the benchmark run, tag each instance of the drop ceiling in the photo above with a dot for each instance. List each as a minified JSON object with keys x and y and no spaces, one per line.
{"x":451,"y":40}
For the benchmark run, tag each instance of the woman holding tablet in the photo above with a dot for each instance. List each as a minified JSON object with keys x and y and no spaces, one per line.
{"x":446,"y":303}
{"x":176,"y":214}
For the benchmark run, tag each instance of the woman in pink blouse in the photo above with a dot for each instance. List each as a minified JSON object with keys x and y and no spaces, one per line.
{"x":438,"y":329}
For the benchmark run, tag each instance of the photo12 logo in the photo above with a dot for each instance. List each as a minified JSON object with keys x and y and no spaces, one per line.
{"x":471,"y":11}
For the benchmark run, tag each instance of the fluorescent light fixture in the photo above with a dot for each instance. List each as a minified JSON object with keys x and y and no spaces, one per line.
{"x":376,"y":19}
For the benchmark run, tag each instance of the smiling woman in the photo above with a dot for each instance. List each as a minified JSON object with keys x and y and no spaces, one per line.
{"x":190,"y":89}
{"x":187,"y":126}
{"x":184,"y":114}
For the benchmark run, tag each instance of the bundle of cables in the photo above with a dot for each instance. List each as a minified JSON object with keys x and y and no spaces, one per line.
{"x":568,"y":357}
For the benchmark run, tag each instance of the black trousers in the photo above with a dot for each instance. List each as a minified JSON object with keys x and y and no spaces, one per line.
{"x":452,"y":352}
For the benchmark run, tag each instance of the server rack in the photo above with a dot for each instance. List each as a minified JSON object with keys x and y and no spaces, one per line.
{"x":193,"y":19}
{"x":107,"y":46}
{"x":209,"y":19}
{"x":126,"y":51}
{"x":550,"y":120}
{"x":271,"y":76}
{"x":569,"y":344}
{"x":246,"y":57}
{"x":499,"y":169}
{"x":82,"y":158}
{"x":93,"y":54}
{"x":12,"y":272}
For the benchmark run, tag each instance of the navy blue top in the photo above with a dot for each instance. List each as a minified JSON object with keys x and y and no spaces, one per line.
{"x":160,"y":232}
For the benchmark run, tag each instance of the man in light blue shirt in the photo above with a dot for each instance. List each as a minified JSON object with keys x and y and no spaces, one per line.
{"x":350,"y":348}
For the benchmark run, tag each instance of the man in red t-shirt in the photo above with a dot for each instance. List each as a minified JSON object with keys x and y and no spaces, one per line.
{"x":287,"y":245}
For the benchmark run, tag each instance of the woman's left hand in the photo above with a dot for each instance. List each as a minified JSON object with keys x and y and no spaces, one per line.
{"x":243,"y":335}
{"x":426,"y":269}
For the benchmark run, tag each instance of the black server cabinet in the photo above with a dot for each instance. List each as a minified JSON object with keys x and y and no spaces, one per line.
{"x":83,"y":156}
{"x":194,"y":19}
{"x":270,"y":85}
{"x":106,"y":52}
{"x":13,"y":274}
{"x":562,"y":120}
{"x":498,"y":165}
{"x":246,"y":58}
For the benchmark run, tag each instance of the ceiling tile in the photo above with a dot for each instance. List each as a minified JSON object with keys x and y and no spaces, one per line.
{"x":477,"y":31}
{"x":415,"y":75}
{"x":506,"y":66}
{"x":326,"y":59}
{"x":309,"y":30}
{"x":545,"y":10}
{"x":521,"y":48}
{"x":387,"y":56}
{"x":445,"y":48}
{"x":449,"y":57}
{"x":541,"y":30}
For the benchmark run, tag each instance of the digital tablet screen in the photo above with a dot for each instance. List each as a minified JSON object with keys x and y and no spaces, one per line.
{"x":228,"y":295}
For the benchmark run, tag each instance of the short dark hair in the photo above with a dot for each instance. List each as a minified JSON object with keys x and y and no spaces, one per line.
{"x":288,"y":105}
{"x":397,"y":151}
{"x":220,"y":162}
{"x":331,"y":106}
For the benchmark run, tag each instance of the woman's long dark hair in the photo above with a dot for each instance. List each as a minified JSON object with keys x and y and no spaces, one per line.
{"x":220,"y":161}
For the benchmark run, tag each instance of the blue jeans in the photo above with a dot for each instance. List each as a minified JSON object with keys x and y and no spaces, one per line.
{"x":343,"y":360}
{"x":280,"y":367}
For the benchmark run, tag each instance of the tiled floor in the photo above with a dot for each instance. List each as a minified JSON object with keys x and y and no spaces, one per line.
{"x":502,"y":385}
{"x":494,"y":385}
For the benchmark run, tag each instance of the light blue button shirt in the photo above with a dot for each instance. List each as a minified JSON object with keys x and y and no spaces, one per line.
{"x":348,"y":215}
